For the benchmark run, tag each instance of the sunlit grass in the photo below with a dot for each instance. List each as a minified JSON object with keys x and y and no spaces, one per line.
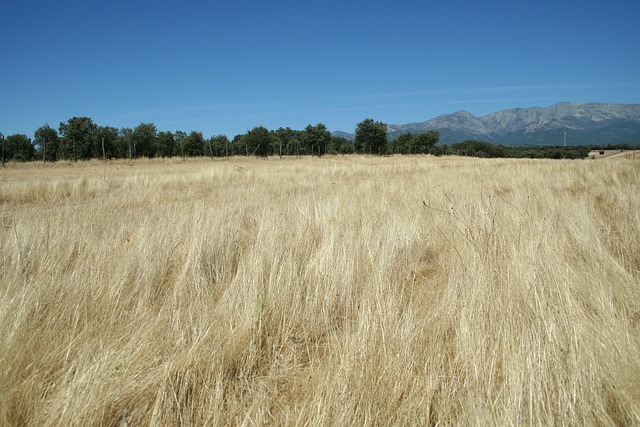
{"x":339,"y":291}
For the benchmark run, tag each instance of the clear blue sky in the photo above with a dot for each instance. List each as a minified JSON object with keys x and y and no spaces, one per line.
{"x":224,"y":67}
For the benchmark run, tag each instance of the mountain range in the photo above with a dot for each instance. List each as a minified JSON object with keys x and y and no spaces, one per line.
{"x":584,"y":124}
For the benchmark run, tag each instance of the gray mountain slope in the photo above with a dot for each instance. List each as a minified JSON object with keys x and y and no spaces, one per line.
{"x":584,"y":123}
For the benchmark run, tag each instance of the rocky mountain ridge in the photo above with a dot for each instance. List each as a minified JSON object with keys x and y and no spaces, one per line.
{"x":584,"y":123}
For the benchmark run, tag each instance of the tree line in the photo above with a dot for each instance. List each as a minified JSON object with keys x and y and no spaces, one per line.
{"x":79,"y":138}
{"x":485,"y":149}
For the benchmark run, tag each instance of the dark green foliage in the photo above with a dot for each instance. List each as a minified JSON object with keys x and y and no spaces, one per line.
{"x":424,"y":142}
{"x":258,"y":141}
{"x":408,"y":143}
{"x":19,"y":148}
{"x":145,"y":138}
{"x":570,"y":152}
{"x":126,"y":145}
{"x":339,"y":145}
{"x":195,"y":145}
{"x":166,"y":144}
{"x":404,"y":144}
{"x":238,"y":147}
{"x":78,"y":139}
{"x":287,"y":141}
{"x":180,"y":137}
{"x":47,"y":143}
{"x":371,"y":137}
{"x":317,"y":139}
{"x":111,"y":138}
{"x":477,"y":149}
{"x":485,"y":149}
{"x":220,"y":145}
{"x":615,"y":147}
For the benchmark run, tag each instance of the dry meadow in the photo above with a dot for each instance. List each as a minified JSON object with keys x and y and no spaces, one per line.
{"x":334,"y":291}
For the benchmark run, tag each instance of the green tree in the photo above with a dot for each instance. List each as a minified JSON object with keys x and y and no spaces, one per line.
{"x":145,"y":137}
{"x":110,"y":137}
{"x":317,"y":138}
{"x":281,"y":137}
{"x":19,"y":148}
{"x":290,"y":141}
{"x":258,"y":141}
{"x":404,"y":144}
{"x":371,"y":137}
{"x":78,"y":139}
{"x":166,"y":144}
{"x":340,"y":145}
{"x":425,"y":141}
{"x":474,"y":148}
{"x":47,"y":143}
{"x":220,"y":145}
{"x":126,"y":146}
{"x":180,"y":137}
{"x":194,"y":145}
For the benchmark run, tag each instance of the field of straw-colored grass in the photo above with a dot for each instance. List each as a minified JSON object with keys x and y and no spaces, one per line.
{"x":334,"y":291}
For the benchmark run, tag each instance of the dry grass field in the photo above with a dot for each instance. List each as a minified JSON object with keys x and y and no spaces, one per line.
{"x":334,"y":291}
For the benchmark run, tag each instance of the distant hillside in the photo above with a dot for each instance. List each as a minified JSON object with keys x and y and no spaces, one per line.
{"x":584,"y":123}
{"x":339,"y":134}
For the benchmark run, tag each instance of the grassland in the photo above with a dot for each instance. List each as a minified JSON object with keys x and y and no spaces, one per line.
{"x":334,"y":291}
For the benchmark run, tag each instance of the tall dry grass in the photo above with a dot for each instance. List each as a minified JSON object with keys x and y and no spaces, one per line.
{"x":335,"y":291}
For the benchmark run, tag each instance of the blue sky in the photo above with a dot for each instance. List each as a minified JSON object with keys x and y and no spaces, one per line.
{"x":224,"y":67}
